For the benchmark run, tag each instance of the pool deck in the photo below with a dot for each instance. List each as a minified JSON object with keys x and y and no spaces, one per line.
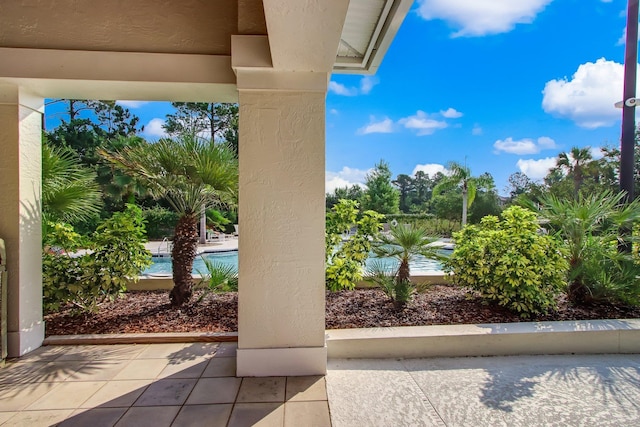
{"x":229,"y":243}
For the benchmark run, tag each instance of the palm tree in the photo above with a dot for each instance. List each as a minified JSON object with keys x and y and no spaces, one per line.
{"x":189,"y":173}
{"x":575,"y":164}
{"x":69,"y":190}
{"x":589,"y":226}
{"x":459,"y":176}
{"x":404,"y":243}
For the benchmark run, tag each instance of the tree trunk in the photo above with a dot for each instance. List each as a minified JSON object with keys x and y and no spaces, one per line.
{"x":404,"y":272}
{"x":464,"y":206}
{"x":185,"y":245}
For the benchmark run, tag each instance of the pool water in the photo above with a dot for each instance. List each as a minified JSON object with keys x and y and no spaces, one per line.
{"x":162,"y":265}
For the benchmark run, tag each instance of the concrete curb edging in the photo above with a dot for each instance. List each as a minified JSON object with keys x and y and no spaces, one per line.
{"x":142,"y":338}
{"x":498,"y":339}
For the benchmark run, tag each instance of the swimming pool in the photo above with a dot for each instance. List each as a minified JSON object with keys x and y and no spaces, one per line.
{"x":162,"y":265}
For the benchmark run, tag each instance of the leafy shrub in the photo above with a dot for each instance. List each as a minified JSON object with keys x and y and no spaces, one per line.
{"x":346,"y":260}
{"x":160,"y":222}
{"x":116,"y":254}
{"x":509,"y":262}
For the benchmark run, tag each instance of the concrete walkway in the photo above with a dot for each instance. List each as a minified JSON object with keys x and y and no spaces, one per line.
{"x":194,"y":385}
{"x":590,"y":390}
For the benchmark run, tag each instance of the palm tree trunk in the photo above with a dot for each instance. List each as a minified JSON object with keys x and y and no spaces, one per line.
{"x":404,"y":273}
{"x":465,"y":200}
{"x":185,"y":245}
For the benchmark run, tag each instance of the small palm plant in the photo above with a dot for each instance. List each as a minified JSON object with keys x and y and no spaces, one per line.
{"x":590,"y":227}
{"x":404,"y":242}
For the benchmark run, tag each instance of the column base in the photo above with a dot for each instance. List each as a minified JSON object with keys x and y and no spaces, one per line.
{"x":22,"y":342}
{"x":281,"y":362}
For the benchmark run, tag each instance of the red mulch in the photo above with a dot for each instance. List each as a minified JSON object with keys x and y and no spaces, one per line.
{"x":362,"y":308}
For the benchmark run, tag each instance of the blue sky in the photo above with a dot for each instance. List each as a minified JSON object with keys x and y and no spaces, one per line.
{"x":503,"y":85}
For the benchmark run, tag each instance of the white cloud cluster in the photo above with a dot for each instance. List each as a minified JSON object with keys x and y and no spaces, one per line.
{"x":422,"y":123}
{"x":477,"y":130}
{"x":481,"y":17}
{"x":383,"y":126}
{"x":588,"y":97}
{"x":431,"y":169}
{"x":132,"y":104}
{"x":366,"y":84}
{"x":536,"y":169}
{"x":524,"y":146}
{"x":154,"y":128}
{"x":345,"y":178}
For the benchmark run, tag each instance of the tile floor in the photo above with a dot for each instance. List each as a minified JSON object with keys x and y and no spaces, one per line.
{"x":152,"y":385}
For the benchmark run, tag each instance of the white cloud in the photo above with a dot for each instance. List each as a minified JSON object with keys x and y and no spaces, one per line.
{"x":623,"y":38}
{"x":367,"y":83}
{"x":340,"y":89}
{"x":597,"y":153}
{"x":524,"y":146}
{"x":383,"y":126}
{"x":477,"y":130}
{"x":154,"y":128}
{"x":536,"y":169}
{"x":481,"y":17}
{"x":334,"y":111}
{"x":430,"y":169}
{"x":422,"y":123}
{"x":588,"y":97}
{"x":345,"y":178}
{"x":132,"y":104}
{"x":451,"y":113}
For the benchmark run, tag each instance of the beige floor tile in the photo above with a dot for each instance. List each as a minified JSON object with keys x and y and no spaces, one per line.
{"x":267,"y":389}
{"x":4,"y":416}
{"x":257,"y":414}
{"x":214,"y":390}
{"x":226,"y":349}
{"x":203,"y":416}
{"x":38,"y":418}
{"x":55,"y":371}
{"x":308,"y":414}
{"x":17,"y":397}
{"x":147,"y":369}
{"x":306,"y":388}
{"x":122,"y":351}
{"x":166,"y":392}
{"x":82,"y":353}
{"x":45,"y":353}
{"x":99,"y":370}
{"x":21,"y":373}
{"x":158,"y":416}
{"x":197,"y":350}
{"x":117,"y":394}
{"x":67,"y":395}
{"x":177,"y":368}
{"x":95,"y":417}
{"x":160,"y":351}
{"x":221,"y":367}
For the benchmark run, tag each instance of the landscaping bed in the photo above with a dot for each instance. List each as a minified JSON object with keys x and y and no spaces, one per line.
{"x":149,"y":311}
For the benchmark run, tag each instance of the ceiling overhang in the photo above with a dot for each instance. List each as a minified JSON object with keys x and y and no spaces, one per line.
{"x":369,"y":28}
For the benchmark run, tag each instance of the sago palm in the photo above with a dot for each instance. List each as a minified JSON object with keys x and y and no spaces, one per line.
{"x":190,"y":173}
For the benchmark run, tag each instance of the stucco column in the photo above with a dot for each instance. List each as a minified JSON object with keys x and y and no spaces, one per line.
{"x":20,"y":222}
{"x":281,"y":296}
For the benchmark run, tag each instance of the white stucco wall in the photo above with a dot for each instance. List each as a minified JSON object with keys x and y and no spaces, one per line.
{"x":20,"y":222}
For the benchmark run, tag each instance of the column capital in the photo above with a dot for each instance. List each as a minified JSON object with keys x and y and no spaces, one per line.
{"x":251,"y":61}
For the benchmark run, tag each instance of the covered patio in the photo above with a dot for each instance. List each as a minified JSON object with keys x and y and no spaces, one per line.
{"x":273,"y":57}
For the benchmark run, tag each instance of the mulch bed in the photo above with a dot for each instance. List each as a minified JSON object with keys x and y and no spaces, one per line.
{"x":138,"y":312}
